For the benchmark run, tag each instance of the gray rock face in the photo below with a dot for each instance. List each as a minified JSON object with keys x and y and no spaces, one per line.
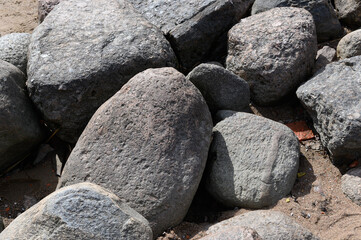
{"x":20,"y":129}
{"x":349,"y":12}
{"x":253,"y":161}
{"x":220,"y":88}
{"x":351,"y":185}
{"x":273,"y":51}
{"x":45,"y":7}
{"x":77,"y":61}
{"x":327,"y":25}
{"x":14,"y":49}
{"x":232,"y":233}
{"x":83,"y":211}
{"x":193,"y":26}
{"x":148,"y":144}
{"x":324,"y":56}
{"x":270,"y":225}
{"x":332,"y":98}
{"x":349,"y":45}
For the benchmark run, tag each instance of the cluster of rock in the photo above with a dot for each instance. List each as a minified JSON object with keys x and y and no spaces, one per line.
{"x":114,"y":84}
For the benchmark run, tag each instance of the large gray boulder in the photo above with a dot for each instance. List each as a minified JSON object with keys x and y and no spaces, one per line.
{"x":20,"y":129}
{"x":270,"y":225}
{"x":349,"y":12}
{"x":333,"y":99}
{"x":351,"y":185}
{"x":349,"y":45}
{"x":253,"y":161}
{"x":193,"y":26}
{"x":14,"y":49}
{"x":273,"y":51}
{"x":148,"y":144}
{"x":220,"y":88}
{"x":83,"y":211}
{"x":327,"y":25}
{"x":79,"y":59}
{"x":45,"y":7}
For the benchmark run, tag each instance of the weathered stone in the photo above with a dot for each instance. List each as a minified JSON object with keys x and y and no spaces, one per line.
{"x":77,"y":61}
{"x":349,"y":45}
{"x":83,"y":211}
{"x":14,"y":49}
{"x":349,"y":12}
{"x":333,"y":99}
{"x":253,"y":161}
{"x":232,"y":233}
{"x":193,"y":26}
{"x":20,"y":129}
{"x":270,"y":225}
{"x":148,"y":144}
{"x":324,"y":56}
{"x":45,"y":7}
{"x":351,"y":185}
{"x":220,"y":88}
{"x":273,"y":51}
{"x":327,"y":25}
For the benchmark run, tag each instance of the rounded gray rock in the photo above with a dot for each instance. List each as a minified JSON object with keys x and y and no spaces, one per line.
{"x":14,"y":49}
{"x":349,"y":45}
{"x":324,"y":56}
{"x":83,"y":211}
{"x":79,"y":59}
{"x":148,"y":144}
{"x":351,"y":185}
{"x":349,"y":12}
{"x":232,"y":233}
{"x":273,"y":51}
{"x":253,"y":161}
{"x":220,"y":88}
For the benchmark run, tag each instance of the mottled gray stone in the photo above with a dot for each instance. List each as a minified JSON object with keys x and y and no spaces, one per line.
{"x":20,"y":129}
{"x":193,"y":26}
{"x":232,"y":233}
{"x":273,"y":51}
{"x":349,"y":45}
{"x":351,"y":185}
{"x":349,"y":12}
{"x":77,"y":61}
{"x":45,"y":7}
{"x":333,"y":99}
{"x":83,"y":211}
{"x":324,"y":56}
{"x":14,"y":49}
{"x":220,"y":88}
{"x":270,"y":225}
{"x":148,"y":144}
{"x":253,"y":161}
{"x":327,"y":25}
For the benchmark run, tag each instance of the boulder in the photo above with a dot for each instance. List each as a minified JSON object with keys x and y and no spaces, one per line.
{"x":333,"y":100}
{"x":193,"y":26}
{"x":14,"y":49}
{"x":83,"y":211}
{"x":77,"y":61}
{"x":232,"y":233}
{"x":273,"y":51}
{"x":45,"y":7}
{"x":20,"y":129}
{"x":324,"y":56}
{"x":220,"y":88}
{"x":327,"y":25}
{"x":349,"y":45}
{"x":349,"y":12}
{"x":148,"y":144}
{"x":253,"y":161}
{"x":270,"y":225}
{"x":351,"y":185}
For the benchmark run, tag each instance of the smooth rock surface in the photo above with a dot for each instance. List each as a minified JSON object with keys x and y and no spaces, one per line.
{"x":253,"y":161}
{"x":232,"y":233}
{"x":273,"y":51}
{"x":148,"y":144}
{"x":20,"y":129}
{"x":327,"y":25}
{"x":14,"y":49}
{"x":220,"y":88}
{"x":77,"y":61}
{"x":349,"y":12}
{"x":83,"y":211}
{"x":351,"y":185}
{"x":324,"y":56}
{"x":333,"y":100}
{"x":45,"y":7}
{"x":350,"y":45}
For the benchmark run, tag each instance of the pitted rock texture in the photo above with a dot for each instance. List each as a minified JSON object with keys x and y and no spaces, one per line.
{"x":349,"y":45}
{"x":351,"y":185}
{"x":253,"y":161}
{"x":14,"y":49}
{"x":20,"y":129}
{"x":232,"y":233}
{"x":193,"y":26}
{"x":45,"y":7}
{"x":273,"y":51}
{"x":220,"y":88}
{"x":83,"y":211}
{"x":77,"y":61}
{"x":327,"y":25}
{"x":349,"y":12}
{"x":333,"y":99}
{"x":148,"y":144}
